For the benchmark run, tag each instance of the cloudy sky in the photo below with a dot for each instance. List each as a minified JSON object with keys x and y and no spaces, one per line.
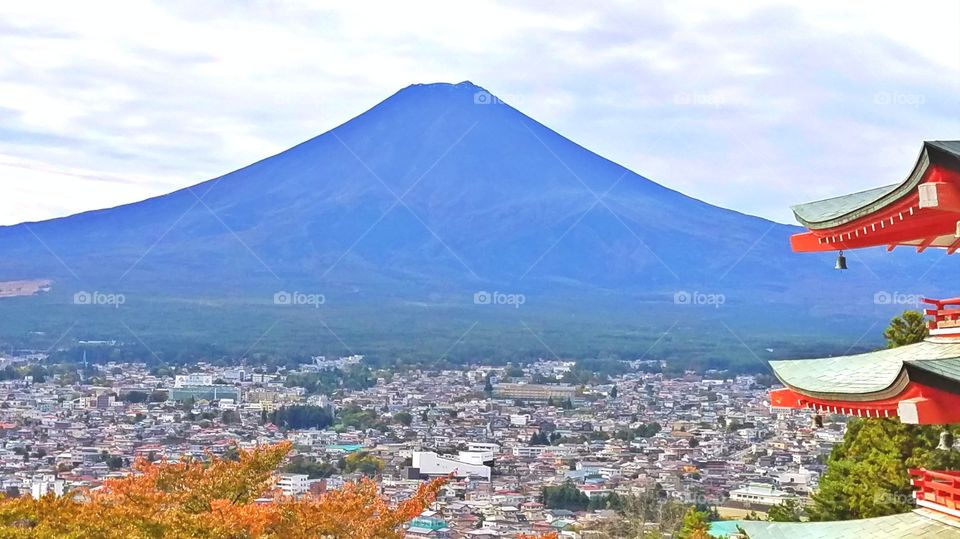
{"x":748,"y":105}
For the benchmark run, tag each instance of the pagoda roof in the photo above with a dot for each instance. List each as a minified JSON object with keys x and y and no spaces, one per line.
{"x":917,"y":523}
{"x":841,"y":209}
{"x":922,"y":211}
{"x":837,"y":211}
{"x":871,"y":376}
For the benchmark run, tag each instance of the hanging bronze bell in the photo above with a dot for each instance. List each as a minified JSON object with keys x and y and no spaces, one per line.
{"x":946,"y":441}
{"x":841,"y":262}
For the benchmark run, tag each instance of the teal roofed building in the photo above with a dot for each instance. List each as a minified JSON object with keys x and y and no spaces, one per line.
{"x":428,"y":527}
{"x":344,"y":448}
{"x":724,"y":529}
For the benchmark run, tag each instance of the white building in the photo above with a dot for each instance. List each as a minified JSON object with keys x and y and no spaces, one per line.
{"x":431,"y":464}
{"x":234,"y":375}
{"x":293,"y":484}
{"x":535,"y":451}
{"x":483,"y":446}
{"x":802,"y":480}
{"x":475,"y":457}
{"x":760,"y":493}
{"x":519,"y":420}
{"x":41,"y":485}
{"x":193,"y":379}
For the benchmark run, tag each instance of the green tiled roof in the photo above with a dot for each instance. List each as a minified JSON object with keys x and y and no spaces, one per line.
{"x":840,"y":210}
{"x":831,"y":208}
{"x":870,"y":373}
{"x":947,"y":368}
{"x":921,"y":523}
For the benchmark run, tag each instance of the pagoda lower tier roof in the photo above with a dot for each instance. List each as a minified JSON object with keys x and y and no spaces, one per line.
{"x":921,"y":523}
{"x":873,"y":376}
{"x":919,"y":383}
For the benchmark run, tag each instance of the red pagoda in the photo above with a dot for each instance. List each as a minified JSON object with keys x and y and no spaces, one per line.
{"x":918,"y":383}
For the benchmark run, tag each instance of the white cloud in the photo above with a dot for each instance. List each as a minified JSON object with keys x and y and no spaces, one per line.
{"x":747,"y":105}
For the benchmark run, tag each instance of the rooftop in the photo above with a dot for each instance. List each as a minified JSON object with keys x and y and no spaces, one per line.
{"x":923,"y":523}
{"x":878,"y":374}
{"x":843,"y":209}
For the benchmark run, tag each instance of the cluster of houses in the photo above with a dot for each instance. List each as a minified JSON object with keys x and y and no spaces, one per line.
{"x":503,"y":434}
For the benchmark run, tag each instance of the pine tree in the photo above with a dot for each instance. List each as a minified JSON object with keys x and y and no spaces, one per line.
{"x":539,"y":438}
{"x":908,"y":328}
{"x":695,"y":525}
{"x":785,"y":511}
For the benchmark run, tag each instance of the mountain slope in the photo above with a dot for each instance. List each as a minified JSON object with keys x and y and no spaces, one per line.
{"x":430,"y":196}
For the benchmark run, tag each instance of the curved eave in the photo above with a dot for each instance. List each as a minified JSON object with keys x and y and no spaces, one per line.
{"x":889,"y":392}
{"x":888,"y":195}
{"x":870,"y":376}
{"x":839,"y":211}
{"x":788,"y":398}
{"x":917,"y":404}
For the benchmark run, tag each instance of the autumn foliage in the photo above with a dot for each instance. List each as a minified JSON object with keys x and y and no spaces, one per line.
{"x":213,"y":498}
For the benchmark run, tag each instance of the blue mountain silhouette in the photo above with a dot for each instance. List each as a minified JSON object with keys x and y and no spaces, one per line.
{"x":443,"y":190}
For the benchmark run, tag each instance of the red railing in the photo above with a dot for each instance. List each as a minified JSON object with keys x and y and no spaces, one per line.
{"x":937,"y":487}
{"x":944,"y":317}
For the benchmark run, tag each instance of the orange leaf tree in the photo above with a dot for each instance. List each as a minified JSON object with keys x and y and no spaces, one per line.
{"x":217,"y":498}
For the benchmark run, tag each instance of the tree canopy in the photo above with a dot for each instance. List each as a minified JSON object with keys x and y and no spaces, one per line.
{"x":305,"y":416}
{"x":695,"y":525}
{"x":566,"y":496}
{"x":539,"y":438}
{"x":404,"y":418}
{"x":867,"y":473}
{"x":790,"y":510}
{"x":908,"y":328}
{"x":364,"y":463}
{"x":215,"y":499}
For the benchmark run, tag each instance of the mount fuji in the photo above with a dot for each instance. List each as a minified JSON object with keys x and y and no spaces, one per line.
{"x":445,"y":222}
